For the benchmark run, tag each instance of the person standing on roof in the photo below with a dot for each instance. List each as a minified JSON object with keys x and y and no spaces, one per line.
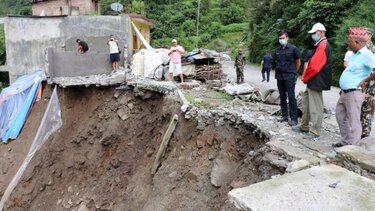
{"x":175,"y":53}
{"x":239,"y":64}
{"x":317,"y":77}
{"x":82,"y":46}
{"x":114,"y":54}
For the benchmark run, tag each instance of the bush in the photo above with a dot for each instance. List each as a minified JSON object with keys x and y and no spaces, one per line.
{"x":235,"y":27}
{"x":359,"y":15}
{"x":232,"y":14}
{"x":217,"y":45}
{"x":188,"y":28}
{"x":188,"y":43}
{"x":2,"y":45}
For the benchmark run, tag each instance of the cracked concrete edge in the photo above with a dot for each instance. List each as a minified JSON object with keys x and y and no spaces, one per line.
{"x":292,"y":152}
{"x":185,"y":103}
{"x":357,"y":155}
{"x":300,"y":190}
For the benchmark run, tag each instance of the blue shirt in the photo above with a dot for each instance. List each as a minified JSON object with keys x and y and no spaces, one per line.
{"x":286,"y":62}
{"x":360,"y":66}
{"x":267,"y":61}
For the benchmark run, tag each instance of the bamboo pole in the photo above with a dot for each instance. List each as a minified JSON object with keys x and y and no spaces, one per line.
{"x":164,"y":143}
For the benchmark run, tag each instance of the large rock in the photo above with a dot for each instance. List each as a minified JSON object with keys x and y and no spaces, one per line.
{"x":297,"y":165}
{"x":123,"y":114}
{"x":326,"y":187}
{"x":239,"y":89}
{"x":83,"y":208}
{"x":222,"y":171}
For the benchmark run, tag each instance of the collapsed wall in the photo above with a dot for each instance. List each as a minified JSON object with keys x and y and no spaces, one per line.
{"x":102,"y":156}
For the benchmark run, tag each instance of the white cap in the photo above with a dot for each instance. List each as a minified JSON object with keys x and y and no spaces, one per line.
{"x":174,"y":40}
{"x":317,"y":27}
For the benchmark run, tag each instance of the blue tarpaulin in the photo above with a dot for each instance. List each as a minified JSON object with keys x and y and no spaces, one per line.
{"x":15,"y":103}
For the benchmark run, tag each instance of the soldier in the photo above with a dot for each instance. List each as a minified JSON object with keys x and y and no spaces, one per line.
{"x":368,"y":105}
{"x":239,"y":65}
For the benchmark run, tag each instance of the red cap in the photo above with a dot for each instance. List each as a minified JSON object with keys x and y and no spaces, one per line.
{"x":357,"y":32}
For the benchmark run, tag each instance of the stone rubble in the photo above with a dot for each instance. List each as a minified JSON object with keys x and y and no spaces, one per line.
{"x":245,"y":111}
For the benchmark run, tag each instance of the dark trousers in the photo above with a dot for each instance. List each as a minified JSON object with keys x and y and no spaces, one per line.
{"x":266,"y":71}
{"x":286,"y":89}
{"x":239,"y":72}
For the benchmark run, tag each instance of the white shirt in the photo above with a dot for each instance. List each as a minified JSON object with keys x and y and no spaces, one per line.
{"x":113,"y":48}
{"x":348,"y":54}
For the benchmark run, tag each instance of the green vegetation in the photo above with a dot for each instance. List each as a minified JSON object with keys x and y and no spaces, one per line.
{"x":223,"y":24}
{"x":212,"y":98}
{"x":15,"y":7}
{"x":297,"y":17}
{"x":2,"y":45}
{"x":197,"y":102}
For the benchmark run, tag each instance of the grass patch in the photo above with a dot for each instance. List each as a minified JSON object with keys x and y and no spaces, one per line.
{"x":207,"y":99}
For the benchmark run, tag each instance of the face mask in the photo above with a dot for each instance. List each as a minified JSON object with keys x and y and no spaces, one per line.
{"x":282,"y":42}
{"x":315,"y":37}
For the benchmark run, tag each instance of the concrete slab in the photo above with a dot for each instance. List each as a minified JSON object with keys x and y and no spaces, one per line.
{"x":364,"y":158}
{"x":326,"y":187}
{"x":296,"y":151}
{"x":98,"y":80}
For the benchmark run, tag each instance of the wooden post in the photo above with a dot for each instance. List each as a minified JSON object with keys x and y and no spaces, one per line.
{"x":164,"y":143}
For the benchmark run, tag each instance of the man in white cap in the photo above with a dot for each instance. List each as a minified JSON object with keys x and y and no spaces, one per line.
{"x":175,"y":54}
{"x":317,"y":76}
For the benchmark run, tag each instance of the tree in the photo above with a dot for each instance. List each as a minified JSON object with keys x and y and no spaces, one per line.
{"x":232,"y":14}
{"x":2,"y":46}
{"x":138,"y":7}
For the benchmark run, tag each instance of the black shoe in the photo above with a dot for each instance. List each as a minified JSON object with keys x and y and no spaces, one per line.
{"x":339,"y":144}
{"x":283,"y":119}
{"x":293,"y":123}
{"x":263,"y":80}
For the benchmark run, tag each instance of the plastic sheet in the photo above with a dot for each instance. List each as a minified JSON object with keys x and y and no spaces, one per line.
{"x":149,"y":63}
{"x":51,"y":122}
{"x":238,"y":89}
{"x":15,"y":103}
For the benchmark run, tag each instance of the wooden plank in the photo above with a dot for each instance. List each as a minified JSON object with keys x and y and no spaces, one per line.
{"x":164,"y":143}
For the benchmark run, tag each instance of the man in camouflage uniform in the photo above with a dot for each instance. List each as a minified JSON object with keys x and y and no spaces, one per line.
{"x":366,"y":116}
{"x":239,"y":65}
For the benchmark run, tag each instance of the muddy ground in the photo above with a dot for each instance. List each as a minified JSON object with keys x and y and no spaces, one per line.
{"x":103,"y":154}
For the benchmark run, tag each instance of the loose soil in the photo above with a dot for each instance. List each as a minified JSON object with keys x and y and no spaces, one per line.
{"x":104,"y":162}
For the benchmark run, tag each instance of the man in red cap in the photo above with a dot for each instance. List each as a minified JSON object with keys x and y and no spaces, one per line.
{"x":317,"y":76}
{"x":348,"y":108}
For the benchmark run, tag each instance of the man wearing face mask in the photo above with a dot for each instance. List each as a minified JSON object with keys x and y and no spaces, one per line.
{"x":288,"y":60}
{"x":317,"y":76}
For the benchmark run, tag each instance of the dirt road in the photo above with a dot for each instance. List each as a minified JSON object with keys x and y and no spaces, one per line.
{"x":253,"y":76}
